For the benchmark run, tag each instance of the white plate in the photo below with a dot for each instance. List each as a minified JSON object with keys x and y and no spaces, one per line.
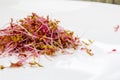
{"x":88,"y":20}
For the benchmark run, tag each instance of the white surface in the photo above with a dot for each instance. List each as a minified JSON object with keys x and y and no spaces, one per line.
{"x":89,"y":21}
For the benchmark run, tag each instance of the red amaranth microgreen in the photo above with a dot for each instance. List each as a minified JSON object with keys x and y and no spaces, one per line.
{"x":35,"y":36}
{"x":116,"y":29}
